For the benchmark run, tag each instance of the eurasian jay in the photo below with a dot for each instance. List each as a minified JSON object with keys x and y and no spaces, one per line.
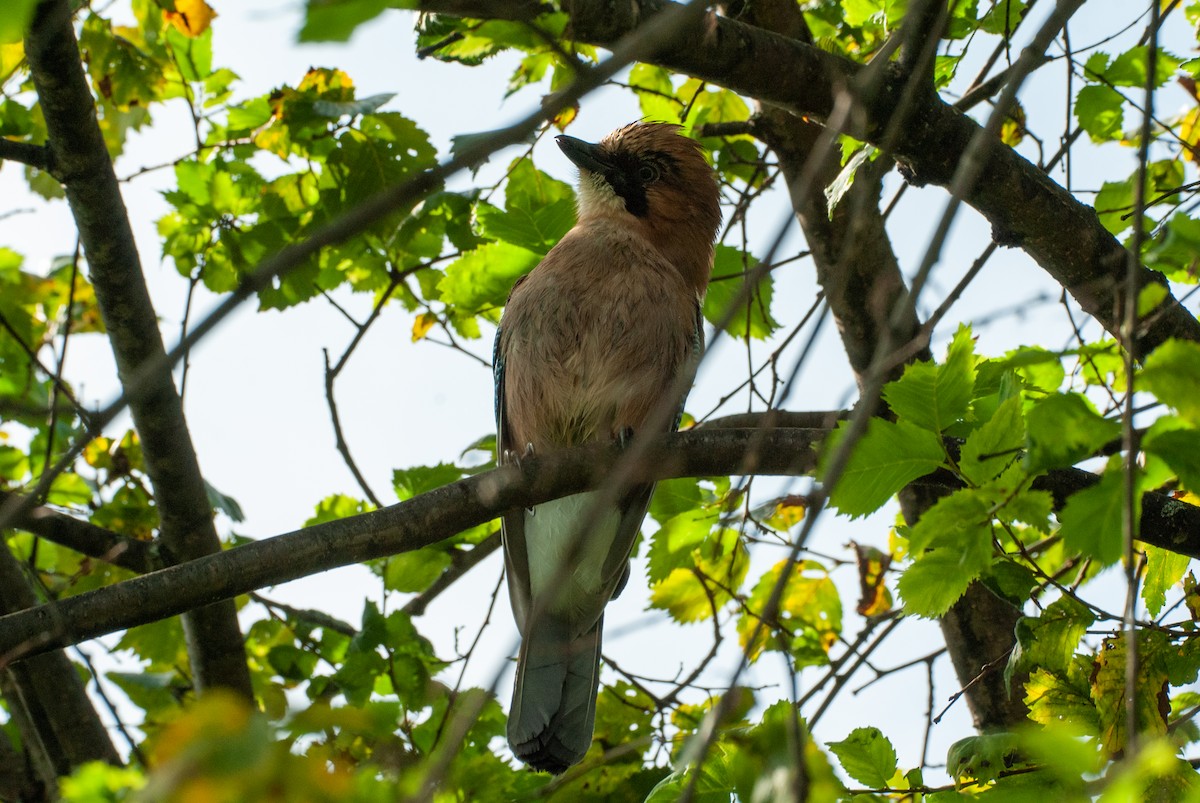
{"x":590,"y":348}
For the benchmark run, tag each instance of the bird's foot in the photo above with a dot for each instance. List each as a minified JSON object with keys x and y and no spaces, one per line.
{"x":624,"y":436}
{"x":511,"y":457}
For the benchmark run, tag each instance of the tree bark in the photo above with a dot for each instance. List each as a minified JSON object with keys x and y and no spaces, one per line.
{"x":442,"y":513}
{"x":81,"y":161}
{"x":1027,"y":209}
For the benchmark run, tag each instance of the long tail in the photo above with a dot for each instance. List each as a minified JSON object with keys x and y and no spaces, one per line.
{"x":553,"y":710}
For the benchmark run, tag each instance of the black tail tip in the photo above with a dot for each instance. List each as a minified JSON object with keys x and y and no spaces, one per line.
{"x":553,"y":756}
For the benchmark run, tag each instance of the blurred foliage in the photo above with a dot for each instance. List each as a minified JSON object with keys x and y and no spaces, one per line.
{"x":369,"y":711}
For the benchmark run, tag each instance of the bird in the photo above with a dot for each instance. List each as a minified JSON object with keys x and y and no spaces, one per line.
{"x":590,"y":349}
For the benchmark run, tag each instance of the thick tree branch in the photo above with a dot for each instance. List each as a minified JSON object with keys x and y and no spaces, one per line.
{"x":1026,"y":208}
{"x":434,"y":516}
{"x":87,"y":539}
{"x":58,"y":724}
{"x":26,"y":153}
{"x":215,"y":644}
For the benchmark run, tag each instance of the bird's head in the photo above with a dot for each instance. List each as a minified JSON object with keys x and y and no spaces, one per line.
{"x":654,"y":179}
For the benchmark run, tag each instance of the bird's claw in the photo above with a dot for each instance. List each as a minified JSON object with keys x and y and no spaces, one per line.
{"x":511,"y":457}
{"x":624,"y":436}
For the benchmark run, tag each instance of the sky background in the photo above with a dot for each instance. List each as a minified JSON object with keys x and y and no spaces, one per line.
{"x":255,"y":388}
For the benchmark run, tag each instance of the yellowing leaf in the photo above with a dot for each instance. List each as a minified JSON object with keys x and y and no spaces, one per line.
{"x":1012,"y":130}
{"x":1189,"y":134}
{"x":190,"y":17}
{"x":565,"y":117}
{"x":421,"y":326}
{"x":789,"y":511}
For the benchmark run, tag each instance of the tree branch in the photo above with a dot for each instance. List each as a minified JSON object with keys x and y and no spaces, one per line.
{"x":26,"y":153}
{"x":87,"y":539}
{"x":439,"y":514}
{"x":215,"y":644}
{"x":1026,"y":208}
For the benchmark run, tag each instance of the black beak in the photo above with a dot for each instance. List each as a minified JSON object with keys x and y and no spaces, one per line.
{"x":584,"y":155}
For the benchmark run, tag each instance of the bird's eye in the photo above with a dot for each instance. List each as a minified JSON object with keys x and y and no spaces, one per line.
{"x":648,"y":173}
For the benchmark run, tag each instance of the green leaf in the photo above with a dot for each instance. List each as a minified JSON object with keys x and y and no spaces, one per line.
{"x":410,"y":482}
{"x":940,"y":577}
{"x":867,"y":756}
{"x":225,"y":504}
{"x":995,"y":445}
{"x":1092,"y":518}
{"x":338,"y":506}
{"x":671,"y":546}
{"x":1062,"y":697}
{"x":936,"y":396}
{"x":657,"y":96}
{"x":1049,"y":641}
{"x":983,"y":757}
{"x":1063,"y":429}
{"x":1004,"y":17}
{"x":889,"y":456}
{"x":1113,"y":203}
{"x":413,"y":572}
{"x":671,"y":497}
{"x":1108,"y":689}
{"x":482,"y":278}
{"x":1180,"y":448}
{"x":749,"y":317}
{"x":536,"y":229}
{"x":958,"y":520}
{"x":722,"y":560}
{"x":69,"y":490}
{"x":809,"y":616}
{"x":1175,"y":255}
{"x":14,"y":20}
{"x":1163,"y":570}
{"x":336,"y":20}
{"x":1172,"y":373}
{"x":1131,"y":67}
{"x":1099,"y":112}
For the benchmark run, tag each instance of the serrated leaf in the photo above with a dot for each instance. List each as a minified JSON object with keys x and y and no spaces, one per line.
{"x":809,"y":618}
{"x":1062,"y":697}
{"x":671,"y":546}
{"x":1092,"y":518}
{"x":410,"y":482}
{"x":536,"y":229}
{"x":1172,"y":373}
{"x":482,"y":278}
{"x":995,"y":445}
{"x":1163,"y":570}
{"x":1108,"y":688}
{"x":957,"y":520}
{"x":983,"y":757}
{"x":889,"y":456}
{"x":1049,"y":641}
{"x":867,"y":756}
{"x":936,"y":396}
{"x":937,"y":580}
{"x":413,"y":572}
{"x":1063,"y":429}
{"x":751,"y":315}
{"x":673,"y":497}
{"x":722,"y":560}
{"x":1132,"y":67}
{"x":1099,"y":110}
